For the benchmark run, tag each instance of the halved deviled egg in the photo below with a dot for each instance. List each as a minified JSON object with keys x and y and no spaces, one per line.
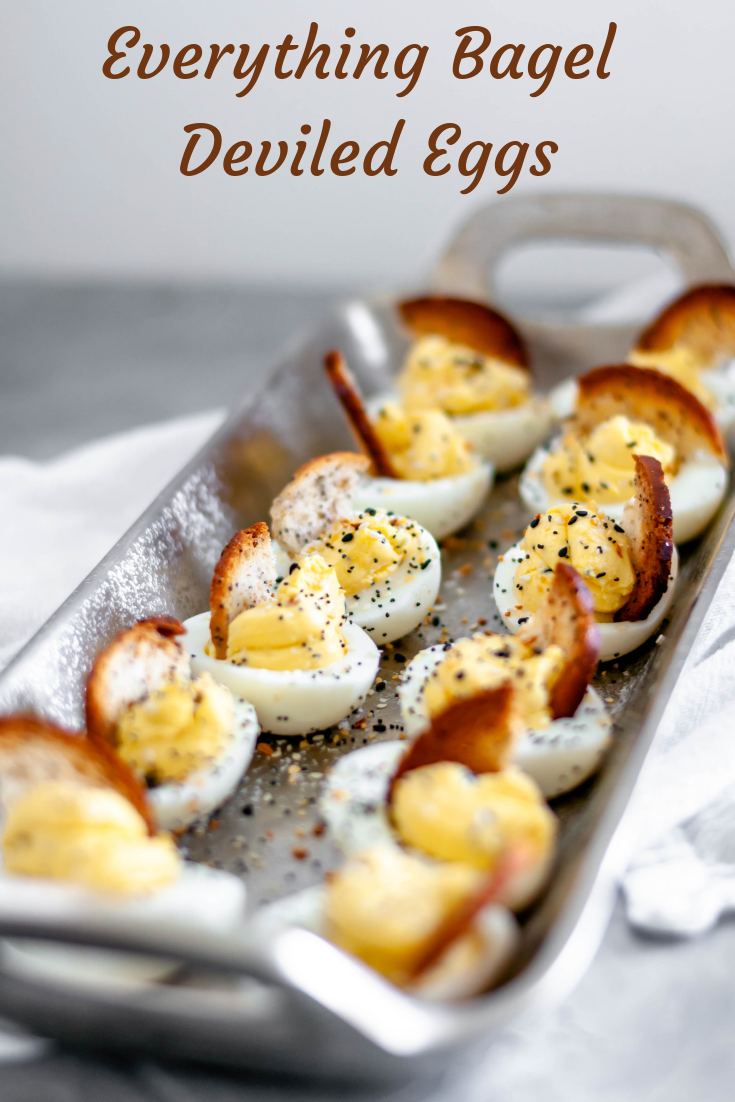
{"x":79,"y":837}
{"x":389,"y":567}
{"x":629,"y":568}
{"x":693,"y":339}
{"x":561,"y":727}
{"x":432,"y":928}
{"x":468,"y":361}
{"x":622,"y":411}
{"x":190,"y":740}
{"x":422,"y":468}
{"x":288,"y":649}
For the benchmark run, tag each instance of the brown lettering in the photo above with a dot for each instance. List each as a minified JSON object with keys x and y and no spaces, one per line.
{"x":606,"y":51}
{"x":549,"y":69}
{"x":476,"y":54}
{"x":192,"y":144}
{"x":215,"y":58}
{"x":543,"y":160}
{"x":256,"y":68}
{"x":573,"y":61}
{"x":341,"y":156}
{"x":260,"y":169}
{"x":143,"y":67}
{"x":514,"y":170}
{"x":390,"y":147}
{"x":415,"y":70}
{"x":477,"y":169}
{"x":310,"y":52}
{"x":517,"y":53}
{"x":181,"y":62}
{"x":115,"y":55}
{"x":437,"y":152}
{"x":366,"y":54}
{"x":230,"y":159}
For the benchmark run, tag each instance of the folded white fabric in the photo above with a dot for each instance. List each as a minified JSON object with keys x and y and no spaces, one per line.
{"x":60,"y":518}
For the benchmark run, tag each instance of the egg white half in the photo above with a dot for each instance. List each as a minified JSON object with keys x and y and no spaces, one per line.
{"x":462,"y":970}
{"x":202,"y":899}
{"x":393,"y":608}
{"x":292,"y":702}
{"x":504,"y":436}
{"x":441,"y":506}
{"x":180,"y":803}
{"x":696,"y":490}
{"x":354,"y":807}
{"x":558,"y":757}
{"x":615,"y":639}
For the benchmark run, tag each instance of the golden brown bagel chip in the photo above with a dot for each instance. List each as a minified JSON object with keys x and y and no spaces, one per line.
{"x":648,"y":526}
{"x":458,"y":922}
{"x":701,"y":320}
{"x":33,"y":750}
{"x":478,"y":732}
{"x":644,"y":394}
{"x":346,"y":389}
{"x":566,"y":618}
{"x":463,"y":322}
{"x":136,"y":662}
{"x":317,"y":497}
{"x":243,"y":578}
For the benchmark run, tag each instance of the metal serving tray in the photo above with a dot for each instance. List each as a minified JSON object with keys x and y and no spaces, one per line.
{"x":295,"y":1003}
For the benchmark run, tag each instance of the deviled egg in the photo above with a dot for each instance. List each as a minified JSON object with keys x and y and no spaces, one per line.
{"x":622,"y":411}
{"x":288,"y":649}
{"x":190,"y":740}
{"x":468,"y":361}
{"x":433,"y":928}
{"x":693,"y":339}
{"x":422,"y":468}
{"x":389,"y":567}
{"x":79,"y":837}
{"x":452,"y":705}
{"x":629,"y":568}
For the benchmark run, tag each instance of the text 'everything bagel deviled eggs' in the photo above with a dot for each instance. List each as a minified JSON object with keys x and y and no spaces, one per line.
{"x":425,"y":801}
{"x":433,"y":928}
{"x":288,"y":648}
{"x":623,"y":411}
{"x":421,"y":467}
{"x":630,"y":568}
{"x":189,"y":739}
{"x":468,"y":361}
{"x":389,"y":567}
{"x":693,"y":339}
{"x":79,"y":836}
{"x":559,"y":721}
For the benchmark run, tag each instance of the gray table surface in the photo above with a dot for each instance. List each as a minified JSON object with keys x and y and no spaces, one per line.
{"x":652,"y":1020}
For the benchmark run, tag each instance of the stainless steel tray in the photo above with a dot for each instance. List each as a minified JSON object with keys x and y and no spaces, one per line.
{"x":294,"y":1003}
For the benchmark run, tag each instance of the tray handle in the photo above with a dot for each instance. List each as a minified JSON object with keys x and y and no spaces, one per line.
{"x":469,"y":264}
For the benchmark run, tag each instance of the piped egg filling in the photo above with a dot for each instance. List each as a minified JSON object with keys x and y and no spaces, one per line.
{"x":601,"y":466}
{"x":366,"y":549}
{"x":458,"y":380}
{"x":179,"y":728}
{"x":447,"y":812}
{"x":91,"y":836}
{"x":594,"y":545}
{"x":488,"y":661}
{"x":422,"y":445}
{"x":384,"y":906}
{"x":300,"y":629}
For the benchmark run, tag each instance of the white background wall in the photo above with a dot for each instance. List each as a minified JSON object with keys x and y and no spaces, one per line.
{"x":91,"y":166}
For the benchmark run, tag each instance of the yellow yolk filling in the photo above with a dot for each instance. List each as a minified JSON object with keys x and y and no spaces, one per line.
{"x":596,"y":547}
{"x":447,"y":812}
{"x":601,"y":466}
{"x":422,"y":445}
{"x":178,"y":729}
{"x":681,"y":365}
{"x":384,"y":906}
{"x":90,"y":836}
{"x":458,"y":380}
{"x":301,"y":629}
{"x":366,"y":549}
{"x":488,"y":661}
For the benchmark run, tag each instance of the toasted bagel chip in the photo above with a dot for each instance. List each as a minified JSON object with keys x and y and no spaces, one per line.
{"x":566,"y":617}
{"x":459,"y":921}
{"x":647,"y":521}
{"x":702,"y":320}
{"x":135,"y":663}
{"x":463,"y":322}
{"x":345,"y":387}
{"x":644,"y":394}
{"x":317,"y":496}
{"x":478,"y":732}
{"x":243,"y":578}
{"x":33,"y":750}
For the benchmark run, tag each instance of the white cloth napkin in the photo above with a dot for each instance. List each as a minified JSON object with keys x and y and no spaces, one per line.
{"x":60,"y":518}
